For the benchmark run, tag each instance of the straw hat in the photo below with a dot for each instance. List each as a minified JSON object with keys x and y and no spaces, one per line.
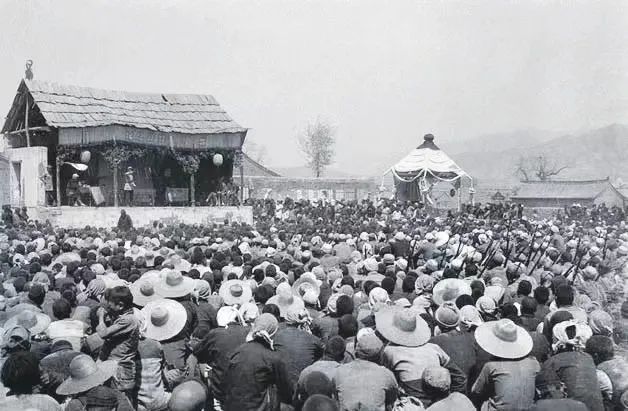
{"x":402,"y":326}
{"x":504,"y":339}
{"x":85,"y":374}
{"x":179,"y":263}
{"x":164,"y":319}
{"x":449,"y":289}
{"x":33,"y":321}
{"x":135,"y":252}
{"x":285,"y":300}
{"x":235,"y":292}
{"x":173,"y":285}
{"x":67,"y":258}
{"x":143,"y":291}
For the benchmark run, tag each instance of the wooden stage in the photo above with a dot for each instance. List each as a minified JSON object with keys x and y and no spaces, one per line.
{"x":79,"y":217}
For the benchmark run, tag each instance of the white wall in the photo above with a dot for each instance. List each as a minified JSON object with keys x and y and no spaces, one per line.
{"x":79,"y":217}
{"x":33,"y":162}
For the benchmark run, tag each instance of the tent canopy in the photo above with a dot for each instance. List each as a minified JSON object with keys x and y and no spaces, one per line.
{"x":414,"y":175}
{"x":427,"y":160}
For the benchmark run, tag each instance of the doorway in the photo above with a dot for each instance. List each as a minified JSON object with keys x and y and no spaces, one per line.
{"x":17,"y":195}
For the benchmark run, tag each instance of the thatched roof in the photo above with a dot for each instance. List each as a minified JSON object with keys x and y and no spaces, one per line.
{"x":64,"y":106}
{"x":588,"y":189}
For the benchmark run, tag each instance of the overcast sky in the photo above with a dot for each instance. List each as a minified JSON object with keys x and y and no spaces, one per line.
{"x":383,"y":72}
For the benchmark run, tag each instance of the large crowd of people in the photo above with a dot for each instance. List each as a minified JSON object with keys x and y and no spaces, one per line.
{"x":319,"y":306}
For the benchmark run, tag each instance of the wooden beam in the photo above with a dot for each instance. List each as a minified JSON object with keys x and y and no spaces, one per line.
{"x":27,"y":129}
{"x":26,"y":110}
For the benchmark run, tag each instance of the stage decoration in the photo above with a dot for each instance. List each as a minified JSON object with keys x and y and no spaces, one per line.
{"x":77,"y":166}
{"x":190,"y":162}
{"x":217,"y":159}
{"x":86,"y":156}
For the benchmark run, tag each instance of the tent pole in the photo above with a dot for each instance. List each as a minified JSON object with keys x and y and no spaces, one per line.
{"x":460,"y":197}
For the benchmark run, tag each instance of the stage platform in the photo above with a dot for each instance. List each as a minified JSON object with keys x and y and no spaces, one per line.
{"x":79,"y":217}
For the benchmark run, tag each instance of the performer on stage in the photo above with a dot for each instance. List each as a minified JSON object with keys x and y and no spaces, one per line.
{"x":47,"y":181}
{"x":73,"y":191}
{"x":129,"y":186}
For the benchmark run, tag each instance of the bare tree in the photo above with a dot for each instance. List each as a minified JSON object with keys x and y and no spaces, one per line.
{"x":255,"y":151}
{"x":522,"y":169}
{"x":545,"y":169}
{"x":317,"y":144}
{"x":540,"y":167}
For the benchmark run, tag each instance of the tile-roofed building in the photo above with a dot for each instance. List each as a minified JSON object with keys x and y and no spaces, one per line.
{"x":185,"y":121}
{"x":561,"y":193}
{"x":168,"y":138}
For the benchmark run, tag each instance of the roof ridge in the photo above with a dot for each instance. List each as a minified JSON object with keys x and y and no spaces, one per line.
{"x":69,"y":86}
{"x":566,"y":181}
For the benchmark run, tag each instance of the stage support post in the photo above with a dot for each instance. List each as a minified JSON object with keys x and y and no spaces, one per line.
{"x":241,"y":156}
{"x":58,"y":178}
{"x":115,"y":185}
{"x":192,"y":191}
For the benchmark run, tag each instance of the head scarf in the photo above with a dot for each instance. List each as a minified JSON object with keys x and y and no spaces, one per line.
{"x":486,"y":305}
{"x":561,"y":339}
{"x":470,"y":317}
{"x":299,"y":318}
{"x":202,"y":290}
{"x":249,"y":312}
{"x":228,"y":315}
{"x":601,"y":323}
{"x":378,"y":297}
{"x":264,"y":328}
{"x":424,"y":284}
{"x":95,"y":288}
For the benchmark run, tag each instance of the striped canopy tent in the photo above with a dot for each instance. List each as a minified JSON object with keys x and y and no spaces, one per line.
{"x":423,"y":167}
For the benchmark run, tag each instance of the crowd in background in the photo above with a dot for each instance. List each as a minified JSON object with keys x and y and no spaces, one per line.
{"x":319,"y":306}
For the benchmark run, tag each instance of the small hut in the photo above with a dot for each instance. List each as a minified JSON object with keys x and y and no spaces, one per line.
{"x":173,"y":141}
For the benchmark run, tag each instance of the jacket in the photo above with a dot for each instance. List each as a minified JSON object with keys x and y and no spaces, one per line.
{"x":577,"y":371}
{"x":252,"y":372}
{"x":298,"y":349}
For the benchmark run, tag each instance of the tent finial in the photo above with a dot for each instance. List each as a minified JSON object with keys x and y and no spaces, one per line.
{"x":428,"y":137}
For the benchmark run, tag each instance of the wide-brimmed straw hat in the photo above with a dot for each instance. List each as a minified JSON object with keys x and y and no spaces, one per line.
{"x":179,"y":263}
{"x":449,"y":289}
{"x":285,"y":300}
{"x":174,"y":285}
{"x":143,"y":291}
{"x":86,"y":374}
{"x":402,"y":326}
{"x":504,"y":339}
{"x":33,"y":321}
{"x":67,"y":258}
{"x":235,"y":292}
{"x":164,"y":319}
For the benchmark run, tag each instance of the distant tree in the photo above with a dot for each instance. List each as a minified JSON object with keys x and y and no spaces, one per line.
{"x":255,"y":151}
{"x":522,"y":169}
{"x":317,"y":144}
{"x":540,"y":167}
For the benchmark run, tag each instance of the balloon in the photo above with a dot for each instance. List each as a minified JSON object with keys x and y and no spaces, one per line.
{"x":86,"y":156}
{"x":218,"y":159}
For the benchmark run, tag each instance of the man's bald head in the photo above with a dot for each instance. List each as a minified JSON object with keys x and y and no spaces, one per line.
{"x":188,"y":396}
